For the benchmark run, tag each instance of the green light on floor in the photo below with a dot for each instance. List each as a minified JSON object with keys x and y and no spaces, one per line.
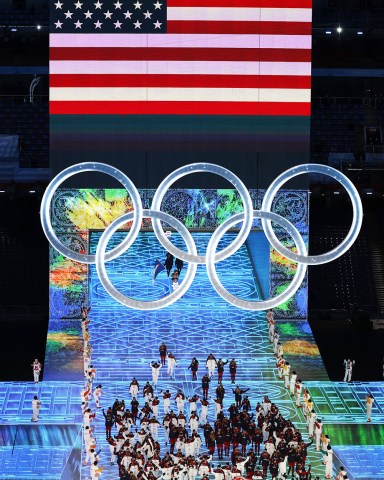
{"x":355,"y":434}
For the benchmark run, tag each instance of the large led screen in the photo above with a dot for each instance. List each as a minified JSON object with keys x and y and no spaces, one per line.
{"x":213,"y":77}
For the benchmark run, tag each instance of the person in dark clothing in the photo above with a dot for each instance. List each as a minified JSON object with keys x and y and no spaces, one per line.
{"x":220,"y":392}
{"x":220,"y":370}
{"x":194,"y":366}
{"x":211,"y":441}
{"x":179,"y":265}
{"x":238,"y":394}
{"x":169,"y":263}
{"x":173,"y":434}
{"x":233,"y":370}
{"x":274,"y":465}
{"x":292,"y":459}
{"x":220,"y":443}
{"x":207,"y":429}
{"x":163,"y":353}
{"x":264,"y":462}
{"x":257,"y":439}
{"x":134,"y":409}
{"x":109,"y":421}
{"x":205,"y":386}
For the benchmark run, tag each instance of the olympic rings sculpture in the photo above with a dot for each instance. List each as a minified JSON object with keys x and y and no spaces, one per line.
{"x":191,"y":256}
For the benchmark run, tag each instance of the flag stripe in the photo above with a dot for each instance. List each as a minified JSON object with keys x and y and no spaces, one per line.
{"x":213,"y":14}
{"x":242,"y":3}
{"x":193,"y":81}
{"x":180,"y":108}
{"x":69,"y":40}
{"x":177,"y":68}
{"x":269,"y":28}
{"x":252,"y":55}
{"x":180,"y":94}
{"x":182,"y":54}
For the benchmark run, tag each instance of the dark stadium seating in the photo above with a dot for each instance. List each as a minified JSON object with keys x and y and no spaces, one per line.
{"x":22,"y":253}
{"x":30,"y":122}
{"x":348,"y":280}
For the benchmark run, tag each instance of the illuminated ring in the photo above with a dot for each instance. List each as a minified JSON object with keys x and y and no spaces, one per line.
{"x":141,"y":304}
{"x":218,"y":170}
{"x":356,"y":206}
{"x":90,"y":167}
{"x":263,"y":304}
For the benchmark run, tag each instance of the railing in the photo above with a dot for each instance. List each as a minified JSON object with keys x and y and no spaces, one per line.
{"x":363,"y":101}
{"x":373,"y":311}
{"x":23,"y":18}
{"x":24,"y":99}
{"x":339,"y":158}
{"x":327,"y":314}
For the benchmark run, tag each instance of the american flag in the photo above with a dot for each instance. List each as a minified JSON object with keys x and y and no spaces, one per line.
{"x":188,"y":57}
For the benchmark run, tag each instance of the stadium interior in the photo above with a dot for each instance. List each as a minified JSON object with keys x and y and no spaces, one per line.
{"x":345,"y":297}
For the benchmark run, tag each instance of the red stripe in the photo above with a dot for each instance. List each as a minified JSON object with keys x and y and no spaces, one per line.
{"x":241,"y":3}
{"x":267,"y":28}
{"x":187,"y":81}
{"x":179,"y":108}
{"x":180,"y":54}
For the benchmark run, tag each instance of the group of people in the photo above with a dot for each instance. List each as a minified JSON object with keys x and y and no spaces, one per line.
{"x":90,"y":389}
{"x":290,"y":379}
{"x":302,"y":397}
{"x":211,"y":364}
{"x":36,"y":402}
{"x":169,"y":259}
{"x":304,"y":401}
{"x":246,"y":440}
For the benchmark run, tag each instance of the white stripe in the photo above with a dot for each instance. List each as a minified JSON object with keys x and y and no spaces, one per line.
{"x":286,"y":41}
{"x":180,"y":94}
{"x":284,"y":95}
{"x":286,"y":14}
{"x":285,"y":68}
{"x":182,"y":68}
{"x":93,"y":40}
{"x":240,"y":14}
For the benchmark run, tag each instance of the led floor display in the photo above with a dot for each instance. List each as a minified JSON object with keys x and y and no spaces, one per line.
{"x":362,"y":463}
{"x":125,"y":341}
{"x":23,"y":456}
{"x":50,"y":449}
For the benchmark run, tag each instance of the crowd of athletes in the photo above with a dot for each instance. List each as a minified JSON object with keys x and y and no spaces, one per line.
{"x":249,"y":439}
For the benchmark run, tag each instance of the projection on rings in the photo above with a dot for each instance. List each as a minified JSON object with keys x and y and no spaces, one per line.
{"x":191,"y":256}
